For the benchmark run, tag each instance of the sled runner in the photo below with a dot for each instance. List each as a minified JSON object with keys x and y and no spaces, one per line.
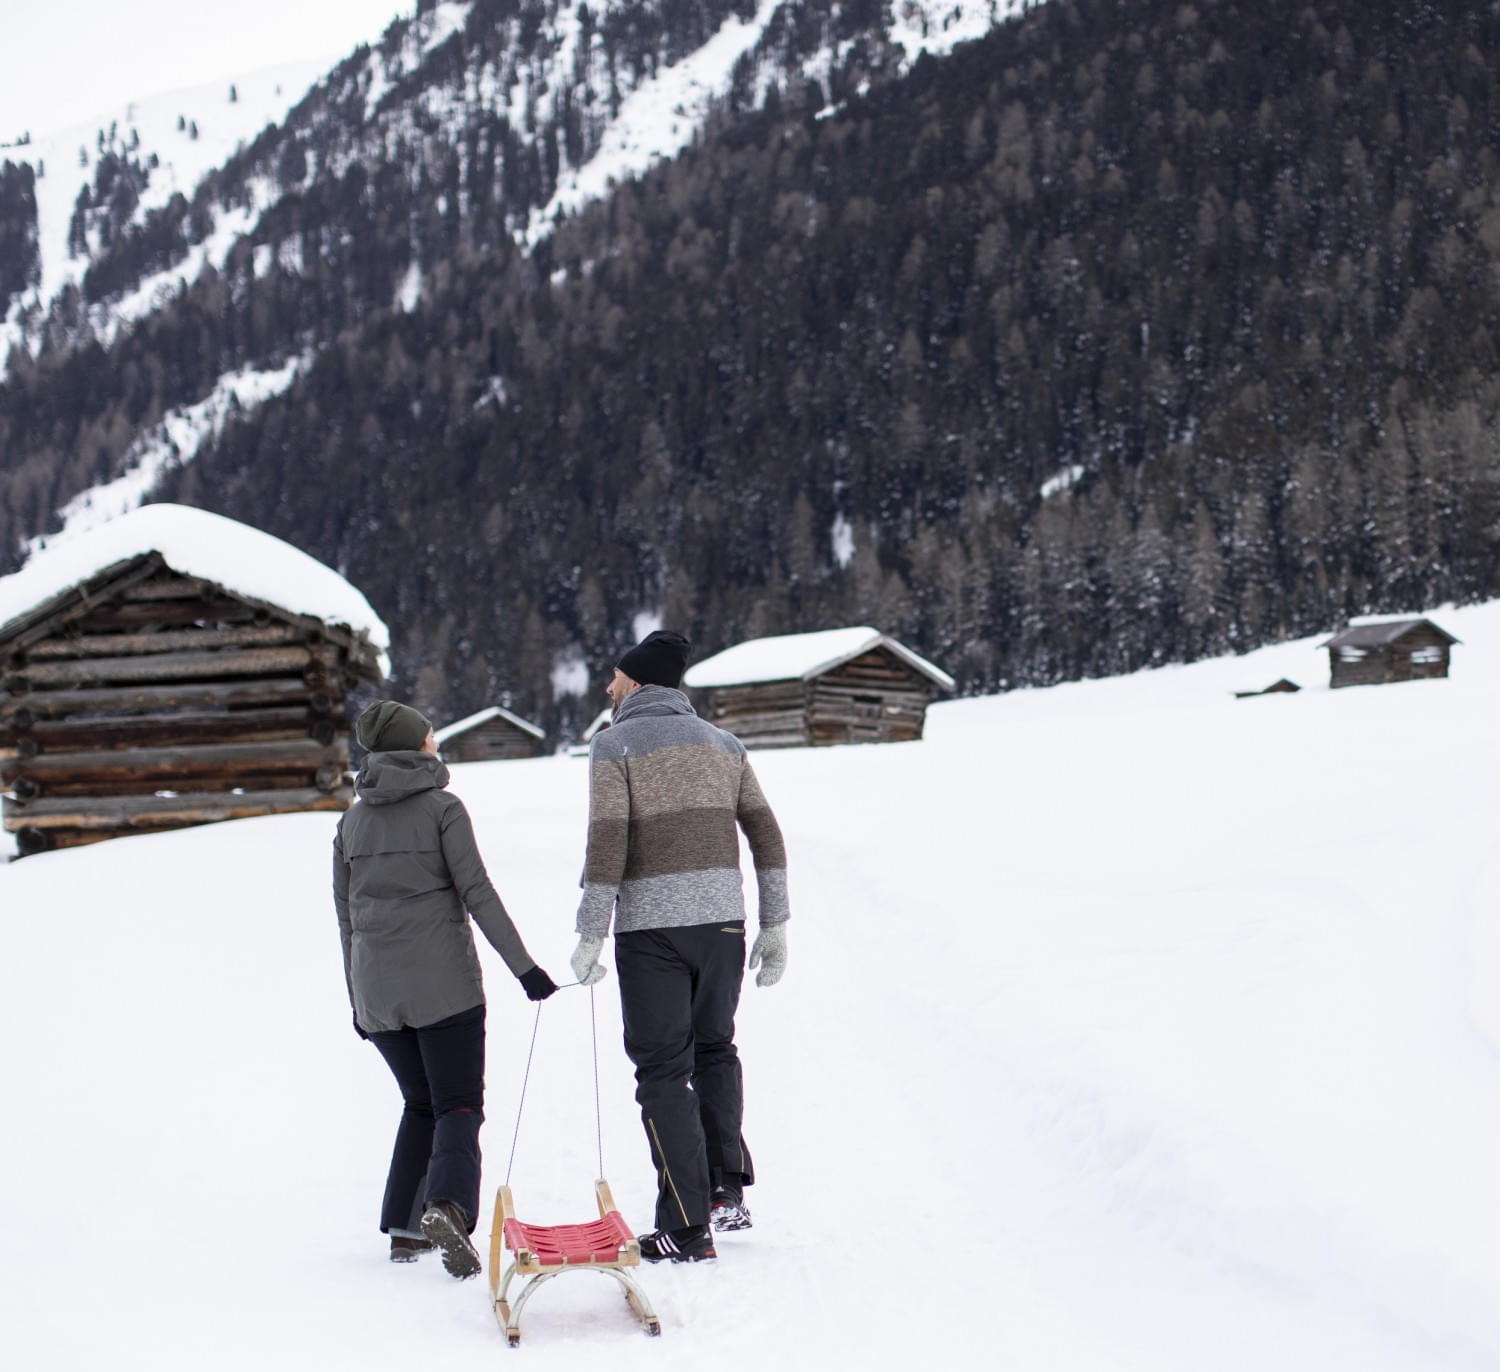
{"x":544,"y":1251}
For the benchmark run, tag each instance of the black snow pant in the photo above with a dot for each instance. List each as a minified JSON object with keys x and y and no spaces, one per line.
{"x":440,"y":1070}
{"x":679,"y":990}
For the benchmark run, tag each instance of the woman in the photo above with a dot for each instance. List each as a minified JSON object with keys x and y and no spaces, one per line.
{"x":406,"y":877}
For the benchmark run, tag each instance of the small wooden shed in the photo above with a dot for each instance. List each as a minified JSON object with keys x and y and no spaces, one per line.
{"x":173,"y":668}
{"x":1285,"y":686}
{"x":1375,"y":653}
{"x":852,"y":685}
{"x":489,"y":735}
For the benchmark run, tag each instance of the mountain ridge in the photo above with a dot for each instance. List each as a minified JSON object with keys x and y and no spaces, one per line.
{"x":1087,"y":346}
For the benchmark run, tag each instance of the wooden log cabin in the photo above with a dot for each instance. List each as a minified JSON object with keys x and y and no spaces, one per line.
{"x":852,"y":685}
{"x":1377,"y":653}
{"x":490,"y":735}
{"x":172,"y":668}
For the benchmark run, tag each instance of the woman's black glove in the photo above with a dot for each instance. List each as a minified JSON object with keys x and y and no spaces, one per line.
{"x":537,"y":984}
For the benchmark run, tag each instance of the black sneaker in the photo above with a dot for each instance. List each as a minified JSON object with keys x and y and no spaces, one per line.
{"x":693,"y":1244}
{"x":404,"y":1249}
{"x":729,"y":1210}
{"x":444,"y":1227}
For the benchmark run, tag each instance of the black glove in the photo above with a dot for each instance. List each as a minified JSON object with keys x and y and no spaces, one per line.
{"x":537,"y":984}
{"x":357,"y":1029}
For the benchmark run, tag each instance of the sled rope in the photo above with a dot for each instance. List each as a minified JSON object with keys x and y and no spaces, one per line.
{"x":526,"y":1078}
{"x":521,"y":1104}
{"x":598,"y":1114}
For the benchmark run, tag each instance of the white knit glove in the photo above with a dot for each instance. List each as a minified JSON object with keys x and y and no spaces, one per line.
{"x":769,"y":954}
{"x":585,"y":960}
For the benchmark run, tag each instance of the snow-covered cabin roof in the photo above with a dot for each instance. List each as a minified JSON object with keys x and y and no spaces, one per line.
{"x":600,"y":721}
{"x":790,"y":657}
{"x":479,"y":717}
{"x":246,"y":562}
{"x":1380,"y":633}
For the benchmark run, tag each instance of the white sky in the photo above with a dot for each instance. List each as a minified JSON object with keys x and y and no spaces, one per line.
{"x":68,"y":60}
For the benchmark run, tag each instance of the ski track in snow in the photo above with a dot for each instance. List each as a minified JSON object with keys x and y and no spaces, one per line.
{"x":1127,"y":1026}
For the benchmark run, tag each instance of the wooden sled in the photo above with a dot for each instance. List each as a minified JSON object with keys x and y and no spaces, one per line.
{"x":544,"y":1251}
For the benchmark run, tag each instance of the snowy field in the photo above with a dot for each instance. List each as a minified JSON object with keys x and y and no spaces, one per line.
{"x":1127,"y":1026}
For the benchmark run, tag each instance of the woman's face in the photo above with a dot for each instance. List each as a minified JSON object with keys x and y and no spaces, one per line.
{"x":429,"y":744}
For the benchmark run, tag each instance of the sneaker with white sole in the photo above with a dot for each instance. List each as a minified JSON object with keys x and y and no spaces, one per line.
{"x":443,"y":1226}
{"x":693,"y":1244}
{"x":729,"y":1211}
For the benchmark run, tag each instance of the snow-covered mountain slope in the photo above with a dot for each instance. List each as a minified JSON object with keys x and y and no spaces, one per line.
{"x":612,"y":86}
{"x":1127,"y":1026}
{"x":545,"y":109}
{"x":174,"y":139}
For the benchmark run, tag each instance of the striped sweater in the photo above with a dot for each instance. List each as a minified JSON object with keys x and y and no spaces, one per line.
{"x":666,"y":791}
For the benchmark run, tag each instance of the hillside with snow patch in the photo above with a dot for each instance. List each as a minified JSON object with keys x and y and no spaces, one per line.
{"x":1128,"y":1025}
{"x":176,"y":138}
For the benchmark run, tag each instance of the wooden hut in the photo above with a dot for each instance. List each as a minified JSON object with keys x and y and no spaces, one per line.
{"x":836,"y":686}
{"x":174,"y":668}
{"x":489,"y":735}
{"x":1375,"y":653}
{"x":1284,"y":686}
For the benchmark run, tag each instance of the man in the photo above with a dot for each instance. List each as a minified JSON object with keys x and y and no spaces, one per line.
{"x":666,"y":791}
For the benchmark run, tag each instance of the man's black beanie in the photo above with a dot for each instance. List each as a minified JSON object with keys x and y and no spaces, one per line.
{"x":659,"y":659}
{"x":388,"y":726}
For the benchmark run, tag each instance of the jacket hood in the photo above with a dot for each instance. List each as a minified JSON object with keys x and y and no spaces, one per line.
{"x":388,"y":777}
{"x":653,"y":700}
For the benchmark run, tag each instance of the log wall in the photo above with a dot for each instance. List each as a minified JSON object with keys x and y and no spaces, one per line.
{"x":874,"y":698}
{"x":157,"y":702}
{"x":1418,"y":654}
{"x":493,"y":741}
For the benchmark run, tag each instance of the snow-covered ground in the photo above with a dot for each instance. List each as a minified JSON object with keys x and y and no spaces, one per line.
{"x":1127,"y":1026}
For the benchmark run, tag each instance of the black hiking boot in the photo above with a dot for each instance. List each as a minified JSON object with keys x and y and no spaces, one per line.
{"x":729,"y":1210}
{"x":444,"y":1227}
{"x":404,"y":1249}
{"x":693,"y":1244}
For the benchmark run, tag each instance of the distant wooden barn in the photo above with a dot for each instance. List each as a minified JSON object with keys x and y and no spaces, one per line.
{"x":149,"y":680}
{"x":1282,"y":687}
{"x":1393,"y":650}
{"x":836,"y":686}
{"x":489,"y":735}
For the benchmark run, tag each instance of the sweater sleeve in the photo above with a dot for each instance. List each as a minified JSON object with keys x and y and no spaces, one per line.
{"x":767,"y":848}
{"x":341,"y":907}
{"x":609,"y":829}
{"x":477,"y":892}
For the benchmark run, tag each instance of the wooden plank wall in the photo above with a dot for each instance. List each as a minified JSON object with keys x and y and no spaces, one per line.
{"x":493,"y":741}
{"x":875,"y":698}
{"x":167,"y":704}
{"x":1391,"y":662}
{"x":772,"y":714}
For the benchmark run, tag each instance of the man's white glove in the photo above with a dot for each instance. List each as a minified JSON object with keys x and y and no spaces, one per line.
{"x":769,"y":954}
{"x":585,"y":960}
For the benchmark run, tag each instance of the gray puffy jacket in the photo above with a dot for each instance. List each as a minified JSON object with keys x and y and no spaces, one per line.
{"x":406,"y":876}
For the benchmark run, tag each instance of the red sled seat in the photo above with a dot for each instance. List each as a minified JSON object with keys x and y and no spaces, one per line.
{"x":544,"y":1251}
{"x":552,"y":1245}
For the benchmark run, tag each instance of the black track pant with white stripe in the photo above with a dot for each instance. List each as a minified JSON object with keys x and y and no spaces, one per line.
{"x":679,"y":990}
